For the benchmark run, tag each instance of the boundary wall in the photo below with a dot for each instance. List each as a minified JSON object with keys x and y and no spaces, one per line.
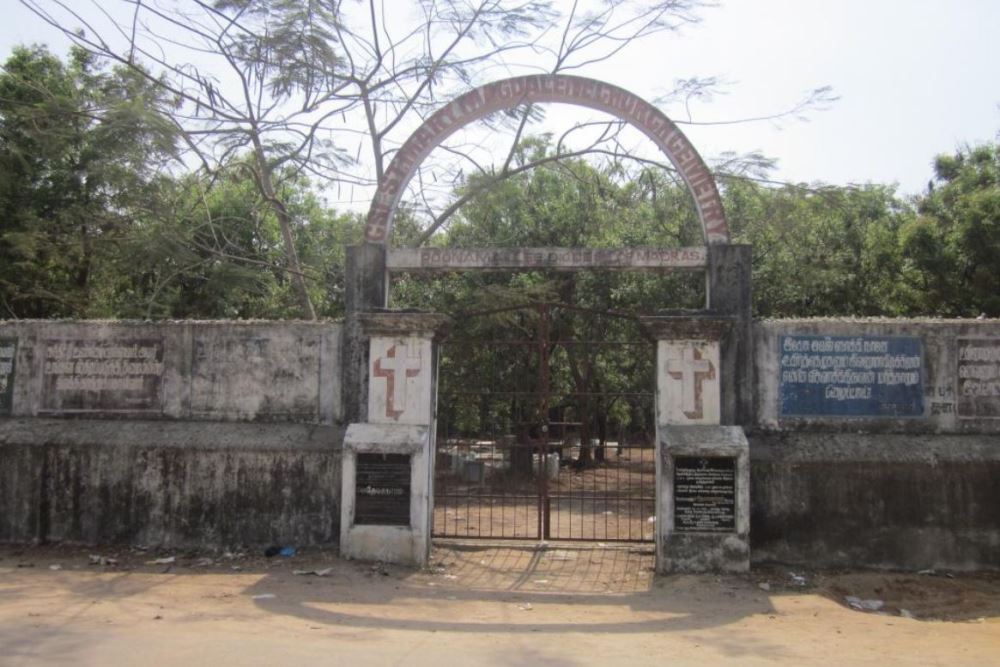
{"x":894,"y":462}
{"x":207,"y":434}
{"x":176,"y":433}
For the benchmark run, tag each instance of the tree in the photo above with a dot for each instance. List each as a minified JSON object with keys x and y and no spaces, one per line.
{"x":952,"y":248}
{"x":216,"y":252}
{"x":81,"y":147}
{"x":311,"y":87}
{"x":821,"y":250}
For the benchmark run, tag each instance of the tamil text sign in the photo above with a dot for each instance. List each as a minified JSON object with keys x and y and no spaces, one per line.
{"x":979,"y":377}
{"x":851,"y":376}
{"x":102,"y":375}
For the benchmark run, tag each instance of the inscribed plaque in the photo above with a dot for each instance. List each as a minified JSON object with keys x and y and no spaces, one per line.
{"x":851,"y":376}
{"x":102,"y":375}
{"x":979,"y":377}
{"x":382,"y":490}
{"x":704,"y":494}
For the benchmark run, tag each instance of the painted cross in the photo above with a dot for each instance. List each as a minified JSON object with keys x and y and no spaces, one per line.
{"x":397,"y":368}
{"x":693,"y":367}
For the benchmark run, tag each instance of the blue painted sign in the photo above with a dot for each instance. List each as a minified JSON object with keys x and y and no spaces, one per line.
{"x":851,"y":376}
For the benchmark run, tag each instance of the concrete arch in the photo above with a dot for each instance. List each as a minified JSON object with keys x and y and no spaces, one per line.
{"x":549,"y":88}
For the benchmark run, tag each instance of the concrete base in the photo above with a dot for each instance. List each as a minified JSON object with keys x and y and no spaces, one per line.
{"x":405,"y":545}
{"x":683,"y":548}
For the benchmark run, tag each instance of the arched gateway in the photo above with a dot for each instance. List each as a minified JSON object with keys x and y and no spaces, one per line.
{"x":390,"y":358}
{"x":549,"y":88}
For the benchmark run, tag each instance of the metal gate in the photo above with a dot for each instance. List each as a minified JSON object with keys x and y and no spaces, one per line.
{"x":546,"y":427}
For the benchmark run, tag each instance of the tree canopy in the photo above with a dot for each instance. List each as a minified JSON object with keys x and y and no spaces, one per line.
{"x":104,"y":214}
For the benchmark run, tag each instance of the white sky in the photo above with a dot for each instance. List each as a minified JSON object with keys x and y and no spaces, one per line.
{"x":915,"y":78}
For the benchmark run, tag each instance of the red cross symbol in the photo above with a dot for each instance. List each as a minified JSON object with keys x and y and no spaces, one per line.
{"x":691,"y":370}
{"x":389,"y":367}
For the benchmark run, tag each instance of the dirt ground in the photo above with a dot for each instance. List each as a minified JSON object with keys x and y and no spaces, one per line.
{"x":502,"y":604}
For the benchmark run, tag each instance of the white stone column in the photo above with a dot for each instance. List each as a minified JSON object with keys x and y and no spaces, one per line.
{"x":388,"y":462}
{"x":702,"y":466}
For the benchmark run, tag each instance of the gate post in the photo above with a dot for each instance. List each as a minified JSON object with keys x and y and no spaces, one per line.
{"x":729,"y":295}
{"x":702,"y":466}
{"x":365,"y":290}
{"x":387,"y":481}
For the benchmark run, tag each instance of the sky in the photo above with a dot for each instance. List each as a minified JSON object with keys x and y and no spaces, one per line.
{"x":914,"y":78}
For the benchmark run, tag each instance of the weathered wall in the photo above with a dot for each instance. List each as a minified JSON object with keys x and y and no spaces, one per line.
{"x":894,"y":471}
{"x":220,"y":371}
{"x":180,"y":433}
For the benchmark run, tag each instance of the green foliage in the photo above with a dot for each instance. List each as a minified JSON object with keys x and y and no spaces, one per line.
{"x":952,"y":248}
{"x":820,"y":251}
{"x":217,"y":252}
{"x":79,"y":150}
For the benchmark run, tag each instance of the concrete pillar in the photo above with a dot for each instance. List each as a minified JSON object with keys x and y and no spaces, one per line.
{"x":388,"y":461}
{"x":729,"y":296}
{"x":702,"y":466}
{"x":366,"y":288}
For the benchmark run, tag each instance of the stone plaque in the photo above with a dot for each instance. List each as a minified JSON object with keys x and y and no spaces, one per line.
{"x":704,"y":494}
{"x":8,"y":357}
{"x":979,"y":377}
{"x":102,"y":375}
{"x":851,"y":376}
{"x":382,"y":490}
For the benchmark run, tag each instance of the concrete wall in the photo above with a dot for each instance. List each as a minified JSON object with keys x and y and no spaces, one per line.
{"x":219,"y":371}
{"x":911,"y":481}
{"x":178,"y":433}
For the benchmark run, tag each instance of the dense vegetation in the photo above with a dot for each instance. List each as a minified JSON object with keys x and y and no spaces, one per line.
{"x":97,"y":220}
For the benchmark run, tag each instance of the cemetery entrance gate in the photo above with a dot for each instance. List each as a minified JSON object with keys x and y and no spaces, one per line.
{"x":546,"y":427}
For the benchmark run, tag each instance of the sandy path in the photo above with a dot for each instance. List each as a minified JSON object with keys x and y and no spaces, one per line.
{"x":503,"y":606}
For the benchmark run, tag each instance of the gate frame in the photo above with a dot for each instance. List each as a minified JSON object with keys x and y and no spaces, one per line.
{"x":727,"y":268}
{"x":543,"y":506}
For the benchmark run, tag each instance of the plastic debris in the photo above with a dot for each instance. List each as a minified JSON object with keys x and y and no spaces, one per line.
{"x":264,"y":596}
{"x":906,"y":613}
{"x":55,"y":568}
{"x":319,"y":573}
{"x":764,"y":586}
{"x":525,"y":607}
{"x":102,"y":560}
{"x":863,"y":605}
{"x":168,"y":560}
{"x":287,"y":552}
{"x":797,"y":579}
